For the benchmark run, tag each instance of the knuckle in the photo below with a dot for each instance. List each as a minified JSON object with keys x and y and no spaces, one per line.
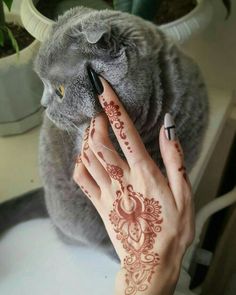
{"x":191,"y":237}
{"x":78,"y":175}
{"x":86,"y":156}
{"x":174,"y":233}
{"x":173,"y":158}
{"x":97,"y":139}
{"x":142,"y":164}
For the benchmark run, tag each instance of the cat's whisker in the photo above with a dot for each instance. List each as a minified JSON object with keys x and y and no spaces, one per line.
{"x":66,"y":116}
{"x":68,"y":123}
{"x":63,"y":139}
{"x":69,"y":133}
{"x":80,"y":132}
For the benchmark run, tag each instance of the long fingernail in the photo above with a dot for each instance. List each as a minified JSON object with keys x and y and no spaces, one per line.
{"x":169,"y":125}
{"x":95,"y":81}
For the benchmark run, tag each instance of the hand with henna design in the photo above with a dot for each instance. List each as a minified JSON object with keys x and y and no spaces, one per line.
{"x":149,"y":217}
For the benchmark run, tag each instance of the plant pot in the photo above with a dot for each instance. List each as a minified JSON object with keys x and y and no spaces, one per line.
{"x":180,"y":30}
{"x":20,"y":90}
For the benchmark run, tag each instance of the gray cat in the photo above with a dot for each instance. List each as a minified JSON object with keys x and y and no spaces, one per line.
{"x":151,"y":77}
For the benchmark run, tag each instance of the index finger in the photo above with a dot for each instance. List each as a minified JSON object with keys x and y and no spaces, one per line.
{"x":124,"y":129}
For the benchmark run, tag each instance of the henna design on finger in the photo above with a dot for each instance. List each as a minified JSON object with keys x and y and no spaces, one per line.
{"x":78,"y":161}
{"x":86,"y":157}
{"x":113,"y":171}
{"x":93,"y":127}
{"x":85,"y":191}
{"x":137,"y":227}
{"x":86,"y":136}
{"x":182,"y":169}
{"x":113,"y":113}
{"x":178,"y":149}
{"x":86,"y":145}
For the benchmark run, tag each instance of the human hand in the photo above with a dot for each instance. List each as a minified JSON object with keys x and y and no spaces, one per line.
{"x":149,"y":218}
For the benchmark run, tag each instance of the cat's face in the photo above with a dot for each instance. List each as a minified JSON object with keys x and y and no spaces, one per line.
{"x":112,"y":43}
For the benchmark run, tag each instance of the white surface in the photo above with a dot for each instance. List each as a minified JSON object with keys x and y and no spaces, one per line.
{"x":220,"y":107}
{"x":34,"y":262}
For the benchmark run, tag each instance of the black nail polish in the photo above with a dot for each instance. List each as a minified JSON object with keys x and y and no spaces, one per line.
{"x":96,"y":82}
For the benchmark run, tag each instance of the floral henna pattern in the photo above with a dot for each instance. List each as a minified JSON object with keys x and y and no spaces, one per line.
{"x":114,"y":171}
{"x":113,"y":113}
{"x":137,"y":229}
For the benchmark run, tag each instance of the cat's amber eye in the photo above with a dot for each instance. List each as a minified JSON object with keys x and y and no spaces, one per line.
{"x":60,"y":91}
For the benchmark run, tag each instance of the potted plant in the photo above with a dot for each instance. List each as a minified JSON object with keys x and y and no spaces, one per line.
{"x":20,"y":88}
{"x":192,"y":18}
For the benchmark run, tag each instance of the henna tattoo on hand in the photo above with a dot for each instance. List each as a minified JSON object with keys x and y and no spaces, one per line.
{"x":137,"y":229}
{"x":113,"y":171}
{"x":113,"y":113}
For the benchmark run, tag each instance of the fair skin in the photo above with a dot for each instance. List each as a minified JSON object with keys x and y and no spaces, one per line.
{"x":149,"y":217}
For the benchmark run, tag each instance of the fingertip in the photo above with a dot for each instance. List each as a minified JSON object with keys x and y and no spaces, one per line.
{"x":162,"y":138}
{"x":76,"y":173}
{"x":108,"y":92}
{"x":170,"y":149}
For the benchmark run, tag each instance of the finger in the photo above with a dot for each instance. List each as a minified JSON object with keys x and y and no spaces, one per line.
{"x":124,"y":129}
{"x":104,"y":150}
{"x":94,"y":167}
{"x":174,"y":162}
{"x":85,"y":181}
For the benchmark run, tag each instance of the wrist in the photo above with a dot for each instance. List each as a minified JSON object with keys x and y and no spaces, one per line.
{"x":163,"y":282}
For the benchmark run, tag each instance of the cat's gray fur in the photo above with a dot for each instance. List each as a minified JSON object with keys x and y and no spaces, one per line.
{"x":151,"y":77}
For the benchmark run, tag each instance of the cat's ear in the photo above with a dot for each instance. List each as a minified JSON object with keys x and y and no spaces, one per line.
{"x":95,"y":32}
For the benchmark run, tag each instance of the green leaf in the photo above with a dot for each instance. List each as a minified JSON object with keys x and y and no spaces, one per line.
{"x":1,"y":38}
{"x":123,"y":5}
{"x":13,"y":41}
{"x":8,"y":3}
{"x":146,"y":9}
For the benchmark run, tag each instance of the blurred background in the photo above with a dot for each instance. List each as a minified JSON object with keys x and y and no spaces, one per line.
{"x":211,"y":40}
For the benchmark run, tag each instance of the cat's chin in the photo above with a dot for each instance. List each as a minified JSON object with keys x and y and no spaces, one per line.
{"x":61,"y":122}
